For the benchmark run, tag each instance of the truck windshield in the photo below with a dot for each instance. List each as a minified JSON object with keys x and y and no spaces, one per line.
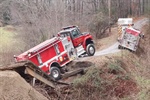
{"x":75,"y":33}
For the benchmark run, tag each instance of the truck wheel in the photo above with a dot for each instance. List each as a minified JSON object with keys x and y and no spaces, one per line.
{"x":90,"y":49}
{"x":119,"y":47}
{"x":55,"y":73}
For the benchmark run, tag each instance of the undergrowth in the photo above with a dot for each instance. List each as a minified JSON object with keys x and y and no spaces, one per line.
{"x":93,"y":75}
{"x":142,"y":63}
{"x":115,"y":67}
{"x":107,"y":82}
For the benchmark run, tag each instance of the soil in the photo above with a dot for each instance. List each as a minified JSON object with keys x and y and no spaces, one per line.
{"x":14,"y":87}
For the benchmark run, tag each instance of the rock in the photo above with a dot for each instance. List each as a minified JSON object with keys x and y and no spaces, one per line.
{"x":14,"y":87}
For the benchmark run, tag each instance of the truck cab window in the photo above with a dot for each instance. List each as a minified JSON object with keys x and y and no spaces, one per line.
{"x":75,"y":34}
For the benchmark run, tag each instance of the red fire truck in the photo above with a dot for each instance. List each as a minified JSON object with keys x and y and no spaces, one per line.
{"x":56,"y":52}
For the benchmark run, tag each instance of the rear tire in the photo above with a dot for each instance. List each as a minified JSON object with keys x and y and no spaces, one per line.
{"x":119,"y":47}
{"x":90,"y":49}
{"x":55,"y":73}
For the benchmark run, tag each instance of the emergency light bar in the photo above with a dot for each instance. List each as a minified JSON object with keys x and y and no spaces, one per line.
{"x":68,"y":27}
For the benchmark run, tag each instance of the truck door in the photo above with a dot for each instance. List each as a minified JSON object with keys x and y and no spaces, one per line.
{"x":76,"y":37}
{"x":69,"y":47}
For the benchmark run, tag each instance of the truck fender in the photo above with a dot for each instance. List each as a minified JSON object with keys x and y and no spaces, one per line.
{"x":54,"y":63}
{"x":54,"y":70}
{"x":84,"y":43}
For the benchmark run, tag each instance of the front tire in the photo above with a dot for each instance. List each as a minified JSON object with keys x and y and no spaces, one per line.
{"x":119,"y":47}
{"x":55,"y":73}
{"x":90,"y":49}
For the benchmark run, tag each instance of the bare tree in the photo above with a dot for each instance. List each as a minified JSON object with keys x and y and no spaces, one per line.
{"x":40,"y":19}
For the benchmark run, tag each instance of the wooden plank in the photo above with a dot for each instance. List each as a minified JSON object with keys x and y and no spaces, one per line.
{"x":13,"y":66}
{"x":72,"y":73}
{"x":37,"y":76}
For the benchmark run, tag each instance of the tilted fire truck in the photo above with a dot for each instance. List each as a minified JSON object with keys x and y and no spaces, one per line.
{"x":128,"y":36}
{"x":51,"y":55}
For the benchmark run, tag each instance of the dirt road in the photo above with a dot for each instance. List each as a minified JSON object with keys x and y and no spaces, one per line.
{"x":114,"y":48}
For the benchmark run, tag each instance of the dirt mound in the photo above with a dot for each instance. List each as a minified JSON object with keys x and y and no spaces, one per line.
{"x":13,"y":87}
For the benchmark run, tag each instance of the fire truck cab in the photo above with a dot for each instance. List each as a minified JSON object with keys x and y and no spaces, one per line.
{"x":82,"y":42}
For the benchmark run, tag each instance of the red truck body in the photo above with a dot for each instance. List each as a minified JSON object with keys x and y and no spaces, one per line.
{"x":45,"y":54}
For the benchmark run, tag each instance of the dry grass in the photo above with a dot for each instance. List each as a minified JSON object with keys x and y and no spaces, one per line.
{"x":142,"y":73}
{"x":6,"y":37}
{"x":9,"y":45}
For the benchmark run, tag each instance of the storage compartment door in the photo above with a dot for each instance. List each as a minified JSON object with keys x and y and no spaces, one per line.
{"x":67,"y":43}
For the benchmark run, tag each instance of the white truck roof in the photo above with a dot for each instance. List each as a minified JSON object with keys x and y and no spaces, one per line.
{"x":125,"y":21}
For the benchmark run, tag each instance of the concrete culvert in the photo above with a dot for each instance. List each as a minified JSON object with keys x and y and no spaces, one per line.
{"x":14,"y":87}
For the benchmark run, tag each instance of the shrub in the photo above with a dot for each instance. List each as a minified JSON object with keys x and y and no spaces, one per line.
{"x":99,"y":25}
{"x":114,"y":67}
{"x":92,"y":77}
